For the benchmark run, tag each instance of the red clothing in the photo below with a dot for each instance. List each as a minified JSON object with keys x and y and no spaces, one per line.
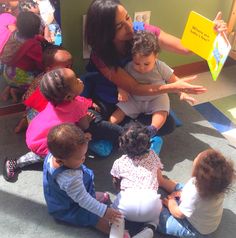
{"x":29,"y":56}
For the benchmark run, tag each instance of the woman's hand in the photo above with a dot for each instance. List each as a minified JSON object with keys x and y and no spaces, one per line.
{"x":220,"y":25}
{"x":182,"y":85}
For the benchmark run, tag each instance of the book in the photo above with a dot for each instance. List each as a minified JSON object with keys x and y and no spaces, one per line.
{"x":200,"y":37}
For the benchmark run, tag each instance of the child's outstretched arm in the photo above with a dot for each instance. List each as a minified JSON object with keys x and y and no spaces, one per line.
{"x":173,"y":206}
{"x":167,"y":184}
{"x":84,"y":122}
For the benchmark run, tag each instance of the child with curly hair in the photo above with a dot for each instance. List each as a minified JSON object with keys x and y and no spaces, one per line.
{"x":197,"y":209}
{"x":69,"y":185}
{"x":137,"y":175}
{"x":146,"y":68}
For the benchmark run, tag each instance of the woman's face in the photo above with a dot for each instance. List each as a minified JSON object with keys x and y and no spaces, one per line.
{"x":124,"y":25}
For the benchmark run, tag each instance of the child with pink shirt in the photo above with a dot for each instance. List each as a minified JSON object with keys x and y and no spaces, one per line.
{"x":61,"y":88}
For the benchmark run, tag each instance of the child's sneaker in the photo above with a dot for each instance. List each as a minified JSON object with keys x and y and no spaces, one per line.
{"x":156,"y":144}
{"x":10,"y":170}
{"x":147,"y":232}
{"x":102,"y":148}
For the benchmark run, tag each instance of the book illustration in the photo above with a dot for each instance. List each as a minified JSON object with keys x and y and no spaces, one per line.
{"x":218,"y":55}
{"x":200,"y":37}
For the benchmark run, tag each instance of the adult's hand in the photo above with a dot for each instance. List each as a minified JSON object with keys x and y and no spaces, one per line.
{"x":183,"y":85}
{"x":220,"y":25}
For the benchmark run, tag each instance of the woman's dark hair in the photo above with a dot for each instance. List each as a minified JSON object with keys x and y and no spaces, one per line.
{"x":100,"y":30}
{"x":135,"y":139}
{"x":54,"y":86}
{"x":64,"y":139}
{"x":214,"y":174}
{"x":145,"y":43}
{"x":28,"y":24}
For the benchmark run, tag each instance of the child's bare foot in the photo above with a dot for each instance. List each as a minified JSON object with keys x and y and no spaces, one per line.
{"x":22,"y":125}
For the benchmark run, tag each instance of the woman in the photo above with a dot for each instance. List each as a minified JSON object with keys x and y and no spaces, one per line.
{"x":109,"y":31}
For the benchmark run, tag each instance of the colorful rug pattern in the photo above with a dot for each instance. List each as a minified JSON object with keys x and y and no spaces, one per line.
{"x":221,"y":113}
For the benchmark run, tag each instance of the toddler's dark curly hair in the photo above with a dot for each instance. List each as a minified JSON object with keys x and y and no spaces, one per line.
{"x":135,"y":139}
{"x":145,"y":43}
{"x":214,"y":174}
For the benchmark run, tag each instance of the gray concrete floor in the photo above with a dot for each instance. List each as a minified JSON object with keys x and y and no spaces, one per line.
{"x":23,"y":211}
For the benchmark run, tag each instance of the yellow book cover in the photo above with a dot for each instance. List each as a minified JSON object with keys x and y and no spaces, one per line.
{"x":200,"y":37}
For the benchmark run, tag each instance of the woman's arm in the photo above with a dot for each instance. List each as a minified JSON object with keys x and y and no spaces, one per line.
{"x":173,"y":44}
{"x":126,"y":82}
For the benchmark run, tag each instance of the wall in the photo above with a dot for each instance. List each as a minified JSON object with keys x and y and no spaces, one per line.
{"x":170,"y":15}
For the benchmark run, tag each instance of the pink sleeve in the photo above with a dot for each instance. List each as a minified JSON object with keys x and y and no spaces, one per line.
{"x":81,"y":104}
{"x":154,"y":29}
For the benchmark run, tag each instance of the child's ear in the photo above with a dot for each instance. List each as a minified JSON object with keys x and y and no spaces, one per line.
{"x":60,"y":162}
{"x":68,"y":97}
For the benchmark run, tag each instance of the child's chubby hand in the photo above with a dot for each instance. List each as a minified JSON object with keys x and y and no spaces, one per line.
{"x":88,"y":136}
{"x":187,"y":98}
{"x":175,"y":194}
{"x":123,"y":96}
{"x":96,"y":107}
{"x":113,"y":215}
{"x":90,"y":116}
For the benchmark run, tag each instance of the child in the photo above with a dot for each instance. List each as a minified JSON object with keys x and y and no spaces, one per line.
{"x":32,"y":6}
{"x":22,"y":55}
{"x":146,"y":69}
{"x":137,"y":174}
{"x":197,"y":209}
{"x":61,"y":88}
{"x":69,"y":185}
{"x":47,"y":30}
{"x":47,"y":13}
{"x":53,"y":57}
{"x":7,"y":24}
